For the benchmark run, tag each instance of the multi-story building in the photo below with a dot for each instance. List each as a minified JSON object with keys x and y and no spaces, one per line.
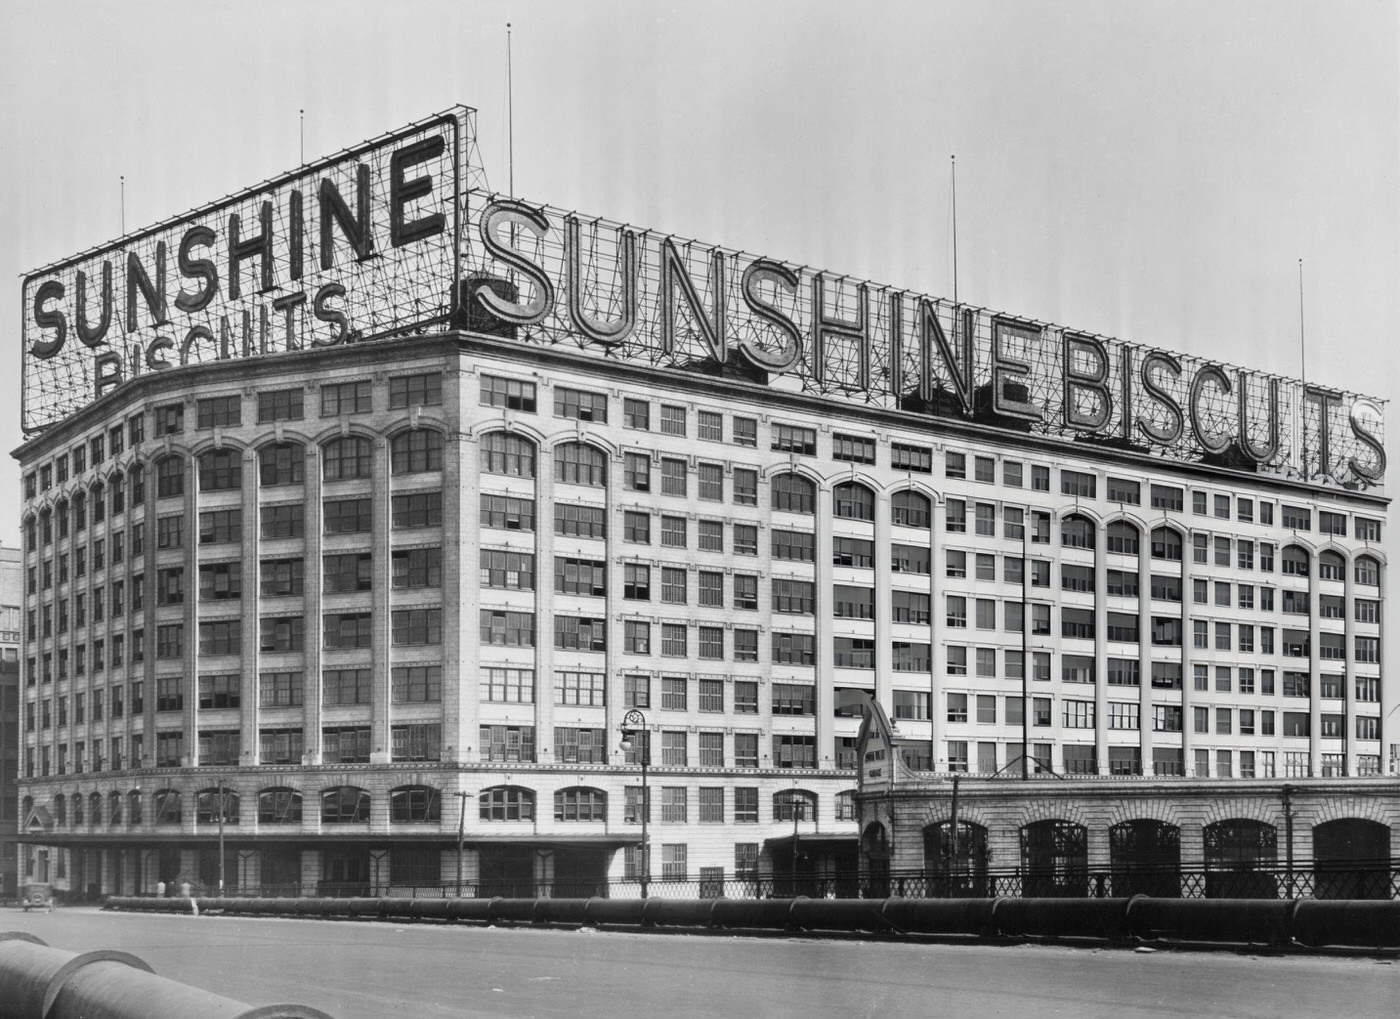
{"x":371,"y":614}
{"x":11,"y":608}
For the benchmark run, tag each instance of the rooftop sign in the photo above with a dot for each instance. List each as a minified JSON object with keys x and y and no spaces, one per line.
{"x":371,"y":243}
{"x":361,"y":245}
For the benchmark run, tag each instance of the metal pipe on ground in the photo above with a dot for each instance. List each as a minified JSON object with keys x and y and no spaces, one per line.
{"x":40,"y":982}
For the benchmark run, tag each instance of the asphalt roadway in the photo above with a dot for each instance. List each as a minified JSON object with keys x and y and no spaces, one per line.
{"x":369,"y":970}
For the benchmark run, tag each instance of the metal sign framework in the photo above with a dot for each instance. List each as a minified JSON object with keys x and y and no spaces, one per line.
{"x":372,"y":242}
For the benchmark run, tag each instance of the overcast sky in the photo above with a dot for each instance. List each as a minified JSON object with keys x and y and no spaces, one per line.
{"x":1146,"y":170}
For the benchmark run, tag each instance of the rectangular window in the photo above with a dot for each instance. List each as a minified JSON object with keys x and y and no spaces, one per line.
{"x":905,"y":457}
{"x":580,"y":746}
{"x":276,"y":522}
{"x":571,"y":575}
{"x":415,"y":391}
{"x":794,"y":439}
{"x":580,"y":404}
{"x":339,"y":398}
{"x":1077,"y":483}
{"x":572,"y":520}
{"x":1123,"y":491}
{"x":280,"y":405}
{"x":794,"y":649}
{"x":852,"y":448}
{"x":214,"y":412}
{"x":673,"y":532}
{"x":508,"y":394}
{"x":672,"y":419}
{"x":794,"y":699}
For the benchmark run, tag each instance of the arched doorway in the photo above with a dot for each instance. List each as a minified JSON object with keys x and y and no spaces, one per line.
{"x":956,"y":872}
{"x":1145,"y":858}
{"x":875,"y":852}
{"x":1351,"y":859}
{"x":1240,"y":857}
{"x":1054,"y":859}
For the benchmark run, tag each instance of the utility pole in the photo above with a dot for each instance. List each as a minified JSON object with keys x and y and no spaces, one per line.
{"x":954,"y":842}
{"x":223,"y":807}
{"x":461,"y":835}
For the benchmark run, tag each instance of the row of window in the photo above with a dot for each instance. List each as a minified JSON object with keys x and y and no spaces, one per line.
{"x":422,"y":804}
{"x":1124,"y":715}
{"x":1166,"y":762}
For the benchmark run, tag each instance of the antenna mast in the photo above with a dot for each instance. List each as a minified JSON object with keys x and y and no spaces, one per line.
{"x":510,"y":119}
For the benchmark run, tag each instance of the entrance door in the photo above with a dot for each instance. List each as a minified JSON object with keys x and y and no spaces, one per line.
{"x":580,"y":872}
{"x":507,"y":871}
{"x":344,"y":872}
{"x":168,"y":869}
{"x":280,"y":871}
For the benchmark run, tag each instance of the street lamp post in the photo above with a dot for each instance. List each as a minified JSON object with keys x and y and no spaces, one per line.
{"x":632,"y":723}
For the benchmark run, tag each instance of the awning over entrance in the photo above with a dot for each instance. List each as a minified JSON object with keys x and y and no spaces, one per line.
{"x":595,"y":841}
{"x":811,"y":842}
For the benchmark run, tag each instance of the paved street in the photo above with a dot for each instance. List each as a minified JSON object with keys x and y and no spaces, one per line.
{"x":369,"y":970}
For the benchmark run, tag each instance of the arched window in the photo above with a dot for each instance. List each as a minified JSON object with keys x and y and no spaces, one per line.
{"x":281,"y":463}
{"x":1122,"y":537}
{"x":854,"y":502}
{"x":1145,"y":857}
{"x":1331,"y":566}
{"x":910,"y":509}
{"x":1294,"y":561}
{"x":114,"y":808}
{"x":1351,"y":858}
{"x":578,"y":464}
{"x":170,"y":477}
{"x":1077,"y":531}
{"x":502,"y":453}
{"x":793,"y":493}
{"x":1054,"y":859}
{"x":133,"y":807}
{"x":117,"y":495}
{"x":959,"y":870}
{"x":345,"y":804}
{"x":416,"y":451}
{"x":79,"y":511}
{"x":220,"y":470}
{"x":95,"y":808}
{"x":846,"y":805}
{"x":60,"y":810}
{"x":167,"y":806}
{"x":77,"y":810}
{"x":279,"y":806}
{"x":46,"y":526}
{"x":1166,"y":544}
{"x":794,"y":804}
{"x":136,"y":474}
{"x":207,"y":806}
{"x":507,"y":803}
{"x":1368,"y":572}
{"x":414,"y":804}
{"x":1236,"y":851}
{"x":351,"y":456}
{"x":61,"y":514}
{"x":580,"y":803}
{"x":97,"y":496}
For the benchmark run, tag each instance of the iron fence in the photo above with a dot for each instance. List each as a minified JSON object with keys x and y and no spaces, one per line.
{"x":1376,"y":881}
